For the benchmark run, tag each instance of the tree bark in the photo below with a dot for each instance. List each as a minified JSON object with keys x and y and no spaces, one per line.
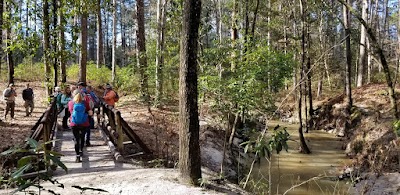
{"x":84,"y":37}
{"x":363,"y":36}
{"x":303,"y":144}
{"x":46,"y":44}
{"x":141,"y":51}
{"x":161,"y":8}
{"x":100,"y":55}
{"x":346,"y":22}
{"x":114,"y":42}
{"x":61,"y":22}
{"x":253,"y":26}
{"x":189,"y":148}
{"x":234,"y":35}
{"x":1,"y":31}
{"x":55,"y":48}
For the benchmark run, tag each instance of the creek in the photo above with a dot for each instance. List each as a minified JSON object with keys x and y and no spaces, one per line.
{"x":291,"y":168}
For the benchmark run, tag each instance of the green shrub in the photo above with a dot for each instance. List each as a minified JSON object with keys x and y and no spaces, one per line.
{"x":127,"y":80}
{"x":95,"y":76}
{"x":30,"y":71}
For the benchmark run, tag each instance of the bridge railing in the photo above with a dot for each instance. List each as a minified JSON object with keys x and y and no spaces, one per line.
{"x":45,"y":127}
{"x":117,"y":127}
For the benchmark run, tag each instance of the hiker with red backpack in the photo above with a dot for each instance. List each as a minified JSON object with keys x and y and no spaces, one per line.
{"x":79,"y":121}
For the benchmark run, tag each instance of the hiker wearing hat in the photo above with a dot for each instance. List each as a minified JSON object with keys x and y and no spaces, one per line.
{"x":9,"y":95}
{"x":27,"y":95}
{"x":110,"y":96}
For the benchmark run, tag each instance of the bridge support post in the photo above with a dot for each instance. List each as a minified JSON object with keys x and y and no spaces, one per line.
{"x":118,"y":126}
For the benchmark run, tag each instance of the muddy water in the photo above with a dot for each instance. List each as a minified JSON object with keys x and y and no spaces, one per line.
{"x":291,"y":168}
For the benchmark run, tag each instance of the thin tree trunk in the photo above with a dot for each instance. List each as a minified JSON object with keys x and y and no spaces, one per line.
{"x":28,"y":4}
{"x":363,"y":35}
{"x":123,"y":37}
{"x":303,"y":144}
{"x":55,"y":64}
{"x":309,"y":72}
{"x":100,"y":55}
{"x":234,"y":35}
{"x":346,"y":22}
{"x":398,"y":40}
{"x":268,"y":23}
{"x":161,"y":8}
{"x":46,"y":44}
{"x":114,"y":42}
{"x":84,"y":41}
{"x":246,"y":28}
{"x":369,"y":62}
{"x":189,"y":148}
{"x":253,"y":26}
{"x":220,"y":21}
{"x":141,"y":51}
{"x":1,"y":32}
{"x":61,"y":21}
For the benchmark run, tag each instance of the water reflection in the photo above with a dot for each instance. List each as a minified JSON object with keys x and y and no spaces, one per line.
{"x":292,"y":168}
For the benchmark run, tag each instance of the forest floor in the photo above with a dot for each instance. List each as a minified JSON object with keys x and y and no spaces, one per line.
{"x":368,"y":137}
{"x":158,"y":130}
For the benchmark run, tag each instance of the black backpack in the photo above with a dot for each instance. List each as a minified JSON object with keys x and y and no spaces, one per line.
{"x":27,"y":94}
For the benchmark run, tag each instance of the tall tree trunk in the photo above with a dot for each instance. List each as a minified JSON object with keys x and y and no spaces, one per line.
{"x":46,"y":44}
{"x":363,"y":36}
{"x":269,"y":23}
{"x":123,"y":37}
{"x":220,"y":21}
{"x":100,"y":55}
{"x":107,"y":47}
{"x":161,"y":8}
{"x":1,"y":31}
{"x":27,"y":18}
{"x":253,"y":26}
{"x":55,"y":48}
{"x":379,"y":52}
{"x":309,"y":72}
{"x":189,"y":148}
{"x":303,"y":144}
{"x":234,"y":35}
{"x":141,"y":51}
{"x":398,"y":38}
{"x":35,"y":14}
{"x":246,"y":28}
{"x":346,"y":23}
{"x":84,"y":42}
{"x":61,"y":22}
{"x":114,"y":42}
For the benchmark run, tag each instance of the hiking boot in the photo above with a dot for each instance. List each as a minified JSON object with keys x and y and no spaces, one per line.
{"x":78,"y":159}
{"x":88,"y":144}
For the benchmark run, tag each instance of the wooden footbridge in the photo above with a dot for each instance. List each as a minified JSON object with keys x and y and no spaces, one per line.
{"x":120,"y":137}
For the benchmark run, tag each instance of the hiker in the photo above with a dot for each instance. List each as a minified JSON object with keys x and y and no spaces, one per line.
{"x":88,"y":99}
{"x":65,"y":98}
{"x":110,"y":96}
{"x":9,"y":95}
{"x":79,"y":121}
{"x":57,"y":94}
{"x":96,"y":104}
{"x":27,"y":95}
{"x":96,"y":99}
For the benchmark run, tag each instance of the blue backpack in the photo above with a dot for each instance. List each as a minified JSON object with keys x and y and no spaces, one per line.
{"x":79,"y":115}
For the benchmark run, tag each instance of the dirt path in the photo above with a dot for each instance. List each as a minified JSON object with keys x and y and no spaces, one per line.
{"x":14,"y":132}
